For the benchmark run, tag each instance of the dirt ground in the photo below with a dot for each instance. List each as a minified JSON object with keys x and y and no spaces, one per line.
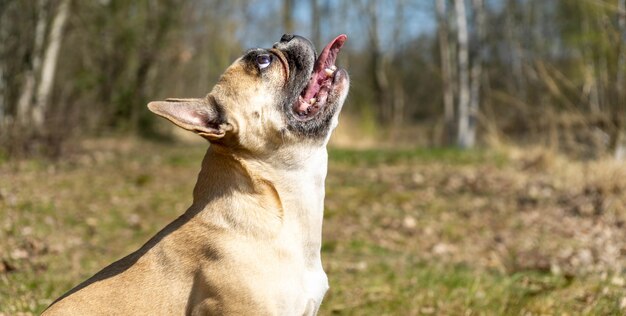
{"x":406,"y":231}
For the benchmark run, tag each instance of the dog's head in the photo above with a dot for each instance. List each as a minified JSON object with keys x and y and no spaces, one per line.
{"x":268,"y":98}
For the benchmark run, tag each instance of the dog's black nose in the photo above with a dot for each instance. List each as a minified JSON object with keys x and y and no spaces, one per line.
{"x":287,"y":37}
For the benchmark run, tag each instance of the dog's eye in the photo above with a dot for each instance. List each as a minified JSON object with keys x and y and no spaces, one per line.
{"x":263,"y":61}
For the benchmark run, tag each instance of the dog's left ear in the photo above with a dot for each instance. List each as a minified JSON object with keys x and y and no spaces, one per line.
{"x":202,"y":116}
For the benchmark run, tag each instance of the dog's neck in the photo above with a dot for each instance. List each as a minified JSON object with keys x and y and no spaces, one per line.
{"x":287,"y":194}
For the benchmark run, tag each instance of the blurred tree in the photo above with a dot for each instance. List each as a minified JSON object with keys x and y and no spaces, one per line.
{"x":480,"y":53}
{"x":378,"y":63}
{"x":446,"y":72}
{"x":287,"y":13}
{"x":463,"y":129}
{"x":551,"y":72}
{"x":620,"y":85}
{"x":26,"y":100}
{"x":48,"y":70}
{"x":514,"y":28}
{"x":29,"y":52}
{"x":3,"y":85}
{"x":124,"y":43}
{"x":316,"y":20}
{"x":398,"y":100}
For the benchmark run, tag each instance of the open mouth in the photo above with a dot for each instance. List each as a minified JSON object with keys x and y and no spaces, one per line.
{"x":314,"y":96}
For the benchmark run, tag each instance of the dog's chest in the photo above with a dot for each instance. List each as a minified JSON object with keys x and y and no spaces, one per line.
{"x":306,"y":294}
{"x":302,"y":290}
{"x":316,"y":285}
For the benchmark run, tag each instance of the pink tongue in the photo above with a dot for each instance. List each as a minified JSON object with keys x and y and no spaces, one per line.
{"x":329,"y":53}
{"x":326,"y":59}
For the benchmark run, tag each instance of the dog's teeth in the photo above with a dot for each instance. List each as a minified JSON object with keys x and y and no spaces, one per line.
{"x":333,"y":68}
{"x":329,"y":72}
{"x":313,"y":100}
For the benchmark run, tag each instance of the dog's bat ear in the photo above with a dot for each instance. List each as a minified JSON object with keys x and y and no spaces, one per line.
{"x":202,"y":116}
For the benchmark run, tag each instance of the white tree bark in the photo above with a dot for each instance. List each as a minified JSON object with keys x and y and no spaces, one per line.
{"x":464,"y":83}
{"x":477,"y":70}
{"x":25,"y":102}
{"x":446,"y":74}
{"x":50,"y":62}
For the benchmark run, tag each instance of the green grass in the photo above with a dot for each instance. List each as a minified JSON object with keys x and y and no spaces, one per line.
{"x":399,"y":284}
{"x":375,"y":157}
{"x":406,"y":231}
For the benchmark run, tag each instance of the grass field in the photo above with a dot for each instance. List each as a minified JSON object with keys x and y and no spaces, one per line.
{"x":407,"y":232}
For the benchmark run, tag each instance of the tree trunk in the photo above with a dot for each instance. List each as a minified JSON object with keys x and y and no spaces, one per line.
{"x":477,"y":69}
{"x":49,"y":63}
{"x":316,"y":23}
{"x":3,"y":85}
{"x":464,"y":84}
{"x":397,"y":99}
{"x":381,"y":82}
{"x":160,"y":22}
{"x":288,"y":16}
{"x":26,"y":101}
{"x":398,"y":106}
{"x":620,"y":138}
{"x":621,"y":66}
{"x":518,"y":82}
{"x":446,"y":75}
{"x":2,"y":94}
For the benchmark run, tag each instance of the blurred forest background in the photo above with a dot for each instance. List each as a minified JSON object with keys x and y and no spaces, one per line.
{"x":431,"y":73}
{"x":478,"y":167}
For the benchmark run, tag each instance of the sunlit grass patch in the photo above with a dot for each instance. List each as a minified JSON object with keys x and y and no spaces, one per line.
{"x":372,"y":157}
